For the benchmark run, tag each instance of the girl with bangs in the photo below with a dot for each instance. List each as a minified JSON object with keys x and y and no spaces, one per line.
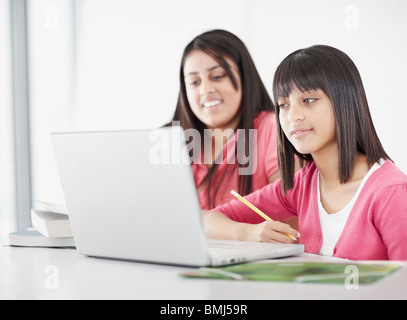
{"x":349,"y":197}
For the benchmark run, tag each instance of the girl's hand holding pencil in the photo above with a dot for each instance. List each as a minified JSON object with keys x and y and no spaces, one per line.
{"x":269,"y":231}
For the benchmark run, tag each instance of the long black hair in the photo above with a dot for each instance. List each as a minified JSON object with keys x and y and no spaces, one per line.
{"x":221,"y":44}
{"x":331,"y":70}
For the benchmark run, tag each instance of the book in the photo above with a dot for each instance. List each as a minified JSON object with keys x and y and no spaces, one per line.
{"x":301,"y":272}
{"x":52,"y":207}
{"x":30,"y":237}
{"x":50,"y":228}
{"x":51,"y":224}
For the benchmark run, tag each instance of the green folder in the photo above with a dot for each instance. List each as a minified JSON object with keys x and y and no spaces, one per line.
{"x":302,"y":272}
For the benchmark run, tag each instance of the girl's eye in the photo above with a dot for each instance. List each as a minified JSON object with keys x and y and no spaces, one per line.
{"x":309,"y":100}
{"x":193,"y":83}
{"x":283,"y":105}
{"x":218,"y":77}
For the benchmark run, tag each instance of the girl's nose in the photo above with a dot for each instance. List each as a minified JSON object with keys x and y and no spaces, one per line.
{"x":207,"y":87}
{"x":295,"y":113}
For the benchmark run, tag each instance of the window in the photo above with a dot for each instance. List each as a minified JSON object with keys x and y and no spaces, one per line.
{"x":15,"y":159}
{"x":7,"y":182}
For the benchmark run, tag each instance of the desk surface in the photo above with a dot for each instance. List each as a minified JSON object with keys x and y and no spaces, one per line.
{"x":40,"y":273}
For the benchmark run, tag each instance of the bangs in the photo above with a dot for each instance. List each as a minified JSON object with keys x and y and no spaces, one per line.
{"x":297,"y":70}
{"x":332,"y":71}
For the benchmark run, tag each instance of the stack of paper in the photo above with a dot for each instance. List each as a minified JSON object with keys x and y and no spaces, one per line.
{"x":51,"y":224}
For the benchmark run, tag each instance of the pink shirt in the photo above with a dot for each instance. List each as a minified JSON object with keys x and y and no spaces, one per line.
{"x":265,"y":157}
{"x":375,"y":230}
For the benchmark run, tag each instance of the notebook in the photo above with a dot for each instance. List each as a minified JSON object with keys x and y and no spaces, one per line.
{"x":131,"y":195}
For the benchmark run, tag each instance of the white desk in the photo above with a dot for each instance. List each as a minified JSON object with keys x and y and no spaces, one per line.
{"x":36,"y":273}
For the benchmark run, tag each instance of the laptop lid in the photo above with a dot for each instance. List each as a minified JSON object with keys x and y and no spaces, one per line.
{"x":129,"y":198}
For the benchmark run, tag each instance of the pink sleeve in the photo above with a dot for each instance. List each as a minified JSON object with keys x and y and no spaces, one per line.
{"x":391,"y":221}
{"x":269,"y":199}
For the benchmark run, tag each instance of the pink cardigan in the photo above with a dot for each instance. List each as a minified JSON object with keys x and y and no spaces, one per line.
{"x":376,"y":228}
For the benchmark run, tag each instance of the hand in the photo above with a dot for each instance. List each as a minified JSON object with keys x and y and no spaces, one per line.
{"x":272,"y":231}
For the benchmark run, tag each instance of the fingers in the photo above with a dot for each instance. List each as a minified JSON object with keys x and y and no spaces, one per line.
{"x":287,"y":230}
{"x":274,"y":231}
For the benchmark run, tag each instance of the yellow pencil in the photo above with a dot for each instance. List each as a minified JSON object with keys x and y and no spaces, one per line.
{"x":258,"y":211}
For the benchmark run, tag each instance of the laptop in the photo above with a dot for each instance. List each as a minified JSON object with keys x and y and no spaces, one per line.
{"x":131,"y":195}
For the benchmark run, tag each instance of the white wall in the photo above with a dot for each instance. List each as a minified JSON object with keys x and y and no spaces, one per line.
{"x":50,"y":32}
{"x":126,"y":63}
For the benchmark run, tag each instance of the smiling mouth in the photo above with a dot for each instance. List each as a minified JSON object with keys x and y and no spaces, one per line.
{"x":300,"y":132}
{"x":211,"y":104}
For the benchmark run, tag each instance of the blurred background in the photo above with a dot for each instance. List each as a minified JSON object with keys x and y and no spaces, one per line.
{"x":78,"y":65}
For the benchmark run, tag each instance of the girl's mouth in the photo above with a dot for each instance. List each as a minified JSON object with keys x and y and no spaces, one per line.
{"x":211,"y":104}
{"x":298,"y":133}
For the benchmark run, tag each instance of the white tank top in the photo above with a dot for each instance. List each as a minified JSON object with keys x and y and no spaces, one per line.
{"x":332,"y":225}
